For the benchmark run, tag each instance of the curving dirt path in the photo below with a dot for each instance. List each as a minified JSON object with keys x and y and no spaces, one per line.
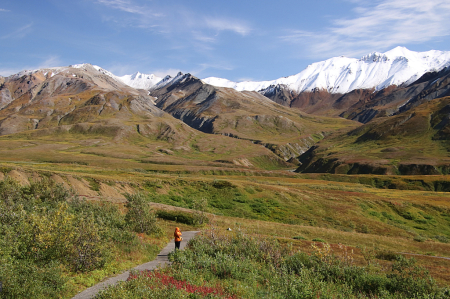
{"x":162,"y":259}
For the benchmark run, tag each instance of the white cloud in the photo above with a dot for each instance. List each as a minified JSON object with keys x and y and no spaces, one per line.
{"x":207,"y":66}
{"x":4,"y":10}
{"x":378,"y":27}
{"x":19,"y":33}
{"x":228,"y":24}
{"x":203,"y":37}
{"x":5,"y":71}
{"x":174,"y":22}
{"x":52,"y":61}
{"x":130,"y":7}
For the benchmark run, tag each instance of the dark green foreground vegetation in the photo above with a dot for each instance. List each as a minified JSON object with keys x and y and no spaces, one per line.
{"x":48,"y":239}
{"x":239,"y":266}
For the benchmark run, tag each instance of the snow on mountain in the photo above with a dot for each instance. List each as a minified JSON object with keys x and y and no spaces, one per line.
{"x":337,"y":75}
{"x":342,"y":74}
{"x":140,"y":81}
{"x":136,"y":80}
{"x":168,"y":80}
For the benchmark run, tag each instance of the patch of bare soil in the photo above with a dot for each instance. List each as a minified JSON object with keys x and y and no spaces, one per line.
{"x":112,"y":193}
{"x":81,"y":187}
{"x":60,"y":180}
{"x":20,"y":177}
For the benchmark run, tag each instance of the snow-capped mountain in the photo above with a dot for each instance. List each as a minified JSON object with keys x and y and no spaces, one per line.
{"x":342,"y":75}
{"x":136,"y":80}
{"x":140,"y":81}
{"x":338,"y":75}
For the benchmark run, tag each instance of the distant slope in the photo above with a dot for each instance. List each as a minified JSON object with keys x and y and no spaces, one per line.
{"x":50,"y":98}
{"x":377,"y":85}
{"x":413,"y":142}
{"x":102,"y":121}
{"x":245,"y":115}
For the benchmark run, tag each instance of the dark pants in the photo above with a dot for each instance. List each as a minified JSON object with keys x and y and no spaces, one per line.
{"x":177,"y":244}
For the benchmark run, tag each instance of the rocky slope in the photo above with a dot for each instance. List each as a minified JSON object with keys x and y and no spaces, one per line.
{"x":245,"y":115}
{"x":378,"y":84}
{"x":49,"y":98}
{"x":88,"y":103}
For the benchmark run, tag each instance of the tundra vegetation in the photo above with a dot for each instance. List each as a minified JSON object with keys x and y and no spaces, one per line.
{"x":55,"y":243}
{"x":234,"y":265}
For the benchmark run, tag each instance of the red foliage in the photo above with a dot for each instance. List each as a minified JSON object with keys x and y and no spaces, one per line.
{"x":181,"y":284}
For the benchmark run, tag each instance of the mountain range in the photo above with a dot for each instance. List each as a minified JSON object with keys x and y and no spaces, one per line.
{"x":313,"y":119}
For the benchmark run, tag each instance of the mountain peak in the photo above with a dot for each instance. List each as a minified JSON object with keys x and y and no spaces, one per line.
{"x":399,"y":51}
{"x":140,"y":81}
{"x":374,"y":57}
{"x":341,"y":74}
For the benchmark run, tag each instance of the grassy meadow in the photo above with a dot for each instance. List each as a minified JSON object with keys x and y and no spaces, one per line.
{"x":238,"y":185}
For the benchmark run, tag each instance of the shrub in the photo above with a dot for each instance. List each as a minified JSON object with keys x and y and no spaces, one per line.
{"x":177,"y":216}
{"x":200,"y":206}
{"x":442,"y":239}
{"x":248,"y":267}
{"x":387,"y":255}
{"x":88,"y":248}
{"x":140,"y":216}
{"x":318,"y":240}
{"x":363,"y":229}
{"x":24,"y":279}
{"x":419,"y":238}
{"x":45,"y":191}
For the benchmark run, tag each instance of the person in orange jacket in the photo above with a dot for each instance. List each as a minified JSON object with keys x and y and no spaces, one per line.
{"x":177,"y":234}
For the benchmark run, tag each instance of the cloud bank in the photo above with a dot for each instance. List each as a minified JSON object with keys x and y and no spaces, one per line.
{"x":381,"y":26}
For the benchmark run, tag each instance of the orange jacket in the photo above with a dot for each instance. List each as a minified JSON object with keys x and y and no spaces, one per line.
{"x":177,"y":234}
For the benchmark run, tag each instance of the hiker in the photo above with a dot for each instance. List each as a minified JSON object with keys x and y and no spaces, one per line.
{"x":177,"y":234}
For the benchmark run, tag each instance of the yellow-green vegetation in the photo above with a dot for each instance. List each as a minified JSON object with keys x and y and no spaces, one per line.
{"x":411,"y":143}
{"x":53,"y":244}
{"x":235,"y":265}
{"x":346,"y":210}
{"x":204,"y":153}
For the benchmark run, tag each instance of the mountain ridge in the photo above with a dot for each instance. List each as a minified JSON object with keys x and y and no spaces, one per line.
{"x":342,"y":74}
{"x":376,"y":70}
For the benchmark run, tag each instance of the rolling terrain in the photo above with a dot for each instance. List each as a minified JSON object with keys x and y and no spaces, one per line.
{"x":78,"y":114}
{"x":374,"y":162}
{"x":413,"y":142}
{"x":244,"y":115}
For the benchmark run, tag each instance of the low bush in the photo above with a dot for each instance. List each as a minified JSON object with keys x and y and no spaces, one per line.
{"x":419,"y":238}
{"x":386,"y":255}
{"x":177,"y":216}
{"x":48,"y":236}
{"x":140,"y":216}
{"x":318,"y":240}
{"x":442,"y":239}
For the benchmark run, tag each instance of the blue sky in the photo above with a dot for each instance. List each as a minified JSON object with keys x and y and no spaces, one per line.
{"x":237,"y":40}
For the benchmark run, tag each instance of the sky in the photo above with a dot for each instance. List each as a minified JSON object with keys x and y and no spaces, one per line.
{"x":237,"y":40}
